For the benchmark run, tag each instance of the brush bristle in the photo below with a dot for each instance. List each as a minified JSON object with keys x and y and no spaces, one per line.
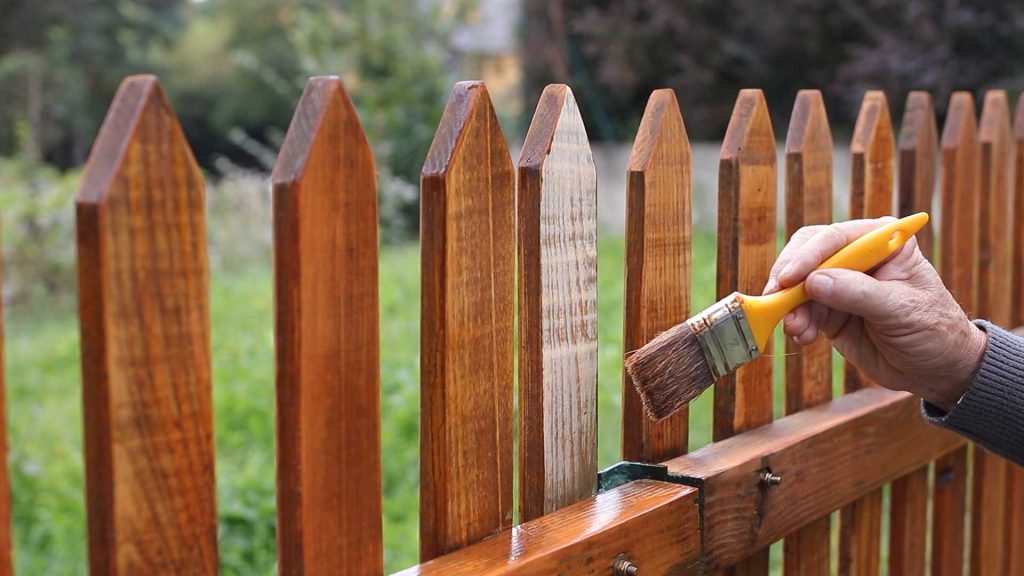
{"x":669,"y":371}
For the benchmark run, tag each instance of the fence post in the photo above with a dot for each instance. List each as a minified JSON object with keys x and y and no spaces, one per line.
{"x":918,"y":149}
{"x":144,"y":310}
{"x":808,"y":368}
{"x":746,"y":250}
{"x":468,"y":243}
{"x":1015,"y":480}
{"x":557,"y":216}
{"x":657,"y":284}
{"x":872,"y":151}
{"x":988,"y":512}
{"x":327,"y":340}
{"x":958,"y":255}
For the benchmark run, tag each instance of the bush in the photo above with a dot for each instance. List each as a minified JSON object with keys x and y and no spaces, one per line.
{"x":38,"y":230}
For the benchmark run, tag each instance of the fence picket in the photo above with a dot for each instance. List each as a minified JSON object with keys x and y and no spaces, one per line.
{"x":918,"y":151}
{"x":988,"y":510}
{"x":145,"y":325}
{"x":657,"y":284}
{"x":746,"y":250}
{"x":958,"y":264}
{"x":557,"y":216}
{"x":468,"y":244}
{"x":1015,"y":479}
{"x":872,"y":152}
{"x":808,"y":368}
{"x":327,"y":340}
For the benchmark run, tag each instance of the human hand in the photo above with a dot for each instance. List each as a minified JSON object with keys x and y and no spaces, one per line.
{"x":897,"y":323}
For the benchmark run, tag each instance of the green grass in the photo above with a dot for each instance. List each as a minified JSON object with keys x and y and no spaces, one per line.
{"x":45,"y":420}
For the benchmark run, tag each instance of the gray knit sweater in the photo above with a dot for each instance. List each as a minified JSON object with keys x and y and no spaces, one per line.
{"x":991,"y":412}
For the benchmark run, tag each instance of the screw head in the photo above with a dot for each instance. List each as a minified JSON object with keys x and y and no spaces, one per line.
{"x":769,"y":478}
{"x":623,"y":567}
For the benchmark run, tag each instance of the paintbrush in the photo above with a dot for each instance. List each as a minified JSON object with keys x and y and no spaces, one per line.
{"x":680,"y":363}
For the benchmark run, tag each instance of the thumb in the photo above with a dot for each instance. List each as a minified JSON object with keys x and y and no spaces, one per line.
{"x":855,"y":293}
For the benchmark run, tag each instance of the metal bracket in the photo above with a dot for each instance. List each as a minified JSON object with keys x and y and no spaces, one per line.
{"x":626,"y":472}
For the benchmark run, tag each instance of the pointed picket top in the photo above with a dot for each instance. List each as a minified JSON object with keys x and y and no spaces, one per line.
{"x":809,"y":131}
{"x":326,"y":334}
{"x":959,"y":236}
{"x":662,"y":121}
{"x":324,"y":118}
{"x":749,"y":137}
{"x":557,"y":309}
{"x":961,"y":127}
{"x":468,"y":102}
{"x":467,"y":233}
{"x":144,"y":312}
{"x":918,"y":153}
{"x":657,"y":285}
{"x":556,"y":124}
{"x":140,"y":110}
{"x":746,"y":249}
{"x":873,"y":150}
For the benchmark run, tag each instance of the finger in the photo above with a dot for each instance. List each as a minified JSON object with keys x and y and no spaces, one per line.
{"x":819,"y":314}
{"x":833,"y":322}
{"x":799,"y":238}
{"x":800,"y":261}
{"x":807,"y":336}
{"x":797,"y":321}
{"x":859,"y":294}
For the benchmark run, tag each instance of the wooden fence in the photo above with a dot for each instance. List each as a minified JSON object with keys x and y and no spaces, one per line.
{"x":145,"y":325}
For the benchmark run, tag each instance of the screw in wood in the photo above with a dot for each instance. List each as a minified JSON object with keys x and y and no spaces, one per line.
{"x":769,"y":478}
{"x":623,"y":567}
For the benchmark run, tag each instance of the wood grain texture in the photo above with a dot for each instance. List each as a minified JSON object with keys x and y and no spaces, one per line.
{"x":468,"y":242}
{"x":144,"y":310}
{"x":988,"y":510}
{"x":655,"y":524}
{"x":327,"y":341}
{"x":958,"y":265}
{"x":808,"y":368}
{"x":557,"y":240}
{"x":746,"y":250}
{"x":827,"y":456}
{"x":657,"y":285}
{"x":872,"y":151}
{"x":1015,"y":474}
{"x":6,"y":562}
{"x":918,"y":154}
{"x":918,"y":151}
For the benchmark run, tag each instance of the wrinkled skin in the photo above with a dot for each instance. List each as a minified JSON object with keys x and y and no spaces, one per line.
{"x":898,"y":323}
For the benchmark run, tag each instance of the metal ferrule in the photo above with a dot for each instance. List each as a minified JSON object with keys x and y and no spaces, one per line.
{"x":724,"y":336}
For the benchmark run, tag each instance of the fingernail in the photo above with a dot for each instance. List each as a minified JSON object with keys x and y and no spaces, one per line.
{"x":770,"y":286}
{"x":821,"y":284}
{"x":790,"y":317}
{"x":786,"y":269}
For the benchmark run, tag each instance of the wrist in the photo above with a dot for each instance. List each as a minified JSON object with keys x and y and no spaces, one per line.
{"x":948,"y":394}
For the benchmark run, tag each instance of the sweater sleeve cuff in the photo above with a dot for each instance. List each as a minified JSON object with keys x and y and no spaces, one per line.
{"x":991,"y":409}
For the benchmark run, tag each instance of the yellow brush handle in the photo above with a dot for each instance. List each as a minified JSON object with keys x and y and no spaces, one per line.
{"x":764,"y":312}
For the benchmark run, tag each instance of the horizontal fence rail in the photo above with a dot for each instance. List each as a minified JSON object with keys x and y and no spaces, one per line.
{"x":509,"y":280}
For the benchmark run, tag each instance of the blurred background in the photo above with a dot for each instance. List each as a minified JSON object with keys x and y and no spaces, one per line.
{"x":234,"y":69}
